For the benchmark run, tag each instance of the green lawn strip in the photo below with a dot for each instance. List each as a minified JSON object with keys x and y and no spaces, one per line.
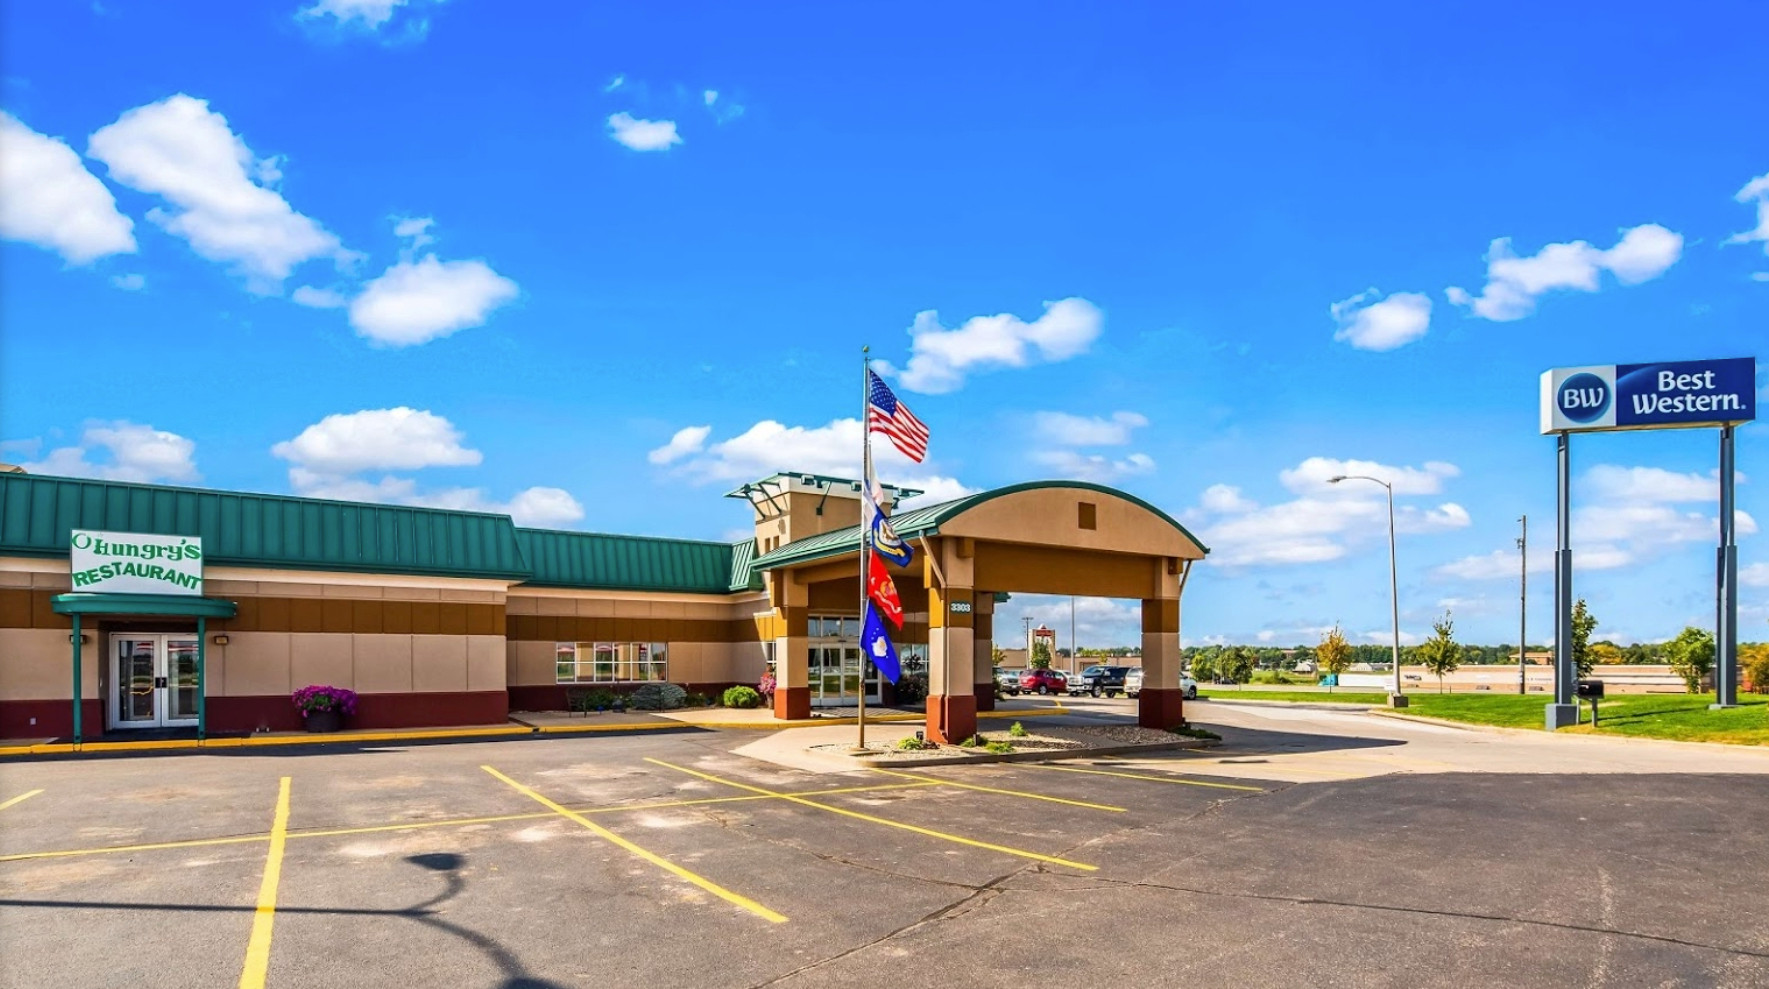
{"x":1682,"y":717}
{"x":1309,"y":696}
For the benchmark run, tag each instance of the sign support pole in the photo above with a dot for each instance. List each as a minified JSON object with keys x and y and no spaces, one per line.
{"x":202,"y":679}
{"x":1564,"y":711}
{"x":79,"y":638}
{"x":1726,"y":580}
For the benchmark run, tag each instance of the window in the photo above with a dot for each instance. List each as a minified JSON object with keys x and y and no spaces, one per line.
{"x":913,"y":657}
{"x":833,"y":627}
{"x":612,"y":662}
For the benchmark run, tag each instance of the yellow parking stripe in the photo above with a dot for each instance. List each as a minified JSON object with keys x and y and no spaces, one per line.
{"x":1142,"y":776}
{"x":1004,"y":792}
{"x":1022,"y":853}
{"x":657,"y":860}
{"x":417,"y":825}
{"x":21,"y":798}
{"x":258,"y":948}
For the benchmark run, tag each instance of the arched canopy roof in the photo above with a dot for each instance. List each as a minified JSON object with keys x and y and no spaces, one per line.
{"x":1036,"y":512}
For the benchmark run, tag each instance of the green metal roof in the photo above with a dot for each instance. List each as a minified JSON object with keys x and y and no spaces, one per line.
{"x":634,"y":563}
{"x":926,"y":521}
{"x":38,"y":512}
{"x":744,"y":575}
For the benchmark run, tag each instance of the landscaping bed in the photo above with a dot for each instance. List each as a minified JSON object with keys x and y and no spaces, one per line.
{"x":1025,"y":746}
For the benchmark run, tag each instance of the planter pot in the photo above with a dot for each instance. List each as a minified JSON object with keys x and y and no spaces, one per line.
{"x":325,"y":720}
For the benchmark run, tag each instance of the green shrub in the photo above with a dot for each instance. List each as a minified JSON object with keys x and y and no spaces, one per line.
{"x":999,"y":748}
{"x":1018,"y":730}
{"x":657,"y":697}
{"x":911,"y":688}
{"x":696,"y":700}
{"x":971,"y":742}
{"x":742,"y":697}
{"x":913,"y":744}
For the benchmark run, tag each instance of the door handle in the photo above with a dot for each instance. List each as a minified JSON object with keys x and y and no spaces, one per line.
{"x":159,"y":681}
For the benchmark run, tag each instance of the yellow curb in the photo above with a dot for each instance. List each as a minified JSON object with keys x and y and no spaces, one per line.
{"x":623,"y":726}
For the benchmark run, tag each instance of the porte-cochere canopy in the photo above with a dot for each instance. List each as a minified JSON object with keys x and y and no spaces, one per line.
{"x":1047,"y":537}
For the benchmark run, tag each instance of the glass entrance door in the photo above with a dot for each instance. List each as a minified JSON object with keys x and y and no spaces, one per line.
{"x":835,"y":677}
{"x":154,"y":682}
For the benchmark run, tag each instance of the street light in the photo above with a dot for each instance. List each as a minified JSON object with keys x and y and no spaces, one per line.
{"x":1395,"y":697}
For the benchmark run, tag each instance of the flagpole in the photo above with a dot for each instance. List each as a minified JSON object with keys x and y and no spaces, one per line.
{"x":865,"y":529}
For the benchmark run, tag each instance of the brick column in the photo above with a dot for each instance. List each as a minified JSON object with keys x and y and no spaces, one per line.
{"x":951,"y":703}
{"x":1161,"y":704}
{"x":792,"y":649}
{"x":983,"y":642}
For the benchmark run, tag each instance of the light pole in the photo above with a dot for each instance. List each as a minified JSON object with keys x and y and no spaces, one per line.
{"x":1027,"y":619}
{"x":1523,"y":606}
{"x":1396,"y":698}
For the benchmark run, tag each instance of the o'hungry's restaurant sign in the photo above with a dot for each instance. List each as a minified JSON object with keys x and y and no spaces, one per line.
{"x":136,"y":563}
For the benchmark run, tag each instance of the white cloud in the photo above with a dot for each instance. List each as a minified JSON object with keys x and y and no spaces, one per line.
{"x":370,"y":17}
{"x":1093,"y":467}
{"x":318,"y":298}
{"x":770,"y":447}
{"x":1514,"y":283}
{"x":615,"y":83}
{"x":940,"y":358}
{"x":415,"y":302}
{"x":1325,"y":521}
{"x":1369,"y":322}
{"x":1064,"y":429}
{"x":377,"y":439}
{"x":1609,"y":482}
{"x":1755,"y":575}
{"x":687,"y":440}
{"x":370,"y":13}
{"x":1755,"y":191}
{"x":48,"y":198}
{"x":1312,"y":477}
{"x":643,"y":135}
{"x":711,"y":96}
{"x":1629,"y":518}
{"x":128,"y":452}
{"x":328,"y":457}
{"x":130,"y":282}
{"x":722,"y":109}
{"x":415,"y":229}
{"x":185,"y":153}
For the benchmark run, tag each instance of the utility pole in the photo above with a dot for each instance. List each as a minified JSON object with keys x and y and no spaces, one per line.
{"x":1523,"y":605}
{"x":1074,"y":648}
{"x":1027,"y":619}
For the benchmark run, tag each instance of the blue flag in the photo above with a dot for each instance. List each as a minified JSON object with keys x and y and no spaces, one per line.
{"x":877,"y":646}
{"x":888,"y":544}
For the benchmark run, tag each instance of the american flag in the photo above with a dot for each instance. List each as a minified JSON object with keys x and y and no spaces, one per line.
{"x":886,"y":415}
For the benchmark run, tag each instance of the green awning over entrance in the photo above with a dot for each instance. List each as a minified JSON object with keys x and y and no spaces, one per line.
{"x":176,"y":605}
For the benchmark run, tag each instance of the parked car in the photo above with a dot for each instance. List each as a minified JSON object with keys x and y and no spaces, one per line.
{"x":1007,"y":681}
{"x":1133,"y":684}
{"x":1097,"y":680}
{"x":1044,"y":682}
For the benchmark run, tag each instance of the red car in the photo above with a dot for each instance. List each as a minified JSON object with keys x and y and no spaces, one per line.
{"x":1043,"y":682}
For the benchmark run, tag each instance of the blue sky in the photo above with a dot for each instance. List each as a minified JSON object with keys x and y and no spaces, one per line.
{"x":597,"y":265}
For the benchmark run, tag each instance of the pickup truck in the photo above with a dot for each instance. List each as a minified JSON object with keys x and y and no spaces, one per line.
{"x":1188,"y":688}
{"x":1097,"y":680}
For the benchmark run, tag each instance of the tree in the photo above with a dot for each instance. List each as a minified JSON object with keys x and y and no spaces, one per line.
{"x":1237,"y":664}
{"x":1753,"y":659}
{"x":1040,"y":655}
{"x":1583,"y":622}
{"x":997,"y":655}
{"x":1440,"y":653}
{"x":1692,"y":656}
{"x":1607,"y":654}
{"x":1333,"y":653}
{"x":1204,"y":666}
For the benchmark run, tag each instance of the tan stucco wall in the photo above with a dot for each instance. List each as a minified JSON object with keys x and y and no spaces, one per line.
{"x":1051,"y":517}
{"x":698,"y":629}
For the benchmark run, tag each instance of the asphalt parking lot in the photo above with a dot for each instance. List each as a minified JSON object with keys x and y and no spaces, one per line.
{"x":668,"y":860}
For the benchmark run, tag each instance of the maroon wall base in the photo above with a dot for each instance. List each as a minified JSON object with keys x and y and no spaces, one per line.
{"x":415,"y":710}
{"x":985,"y":694}
{"x":792,"y":703}
{"x":951,"y":719}
{"x":1160,"y":708}
{"x":55,"y":718}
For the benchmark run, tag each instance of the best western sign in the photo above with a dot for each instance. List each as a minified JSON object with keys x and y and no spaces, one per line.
{"x":136,"y":563}
{"x":1670,"y":395}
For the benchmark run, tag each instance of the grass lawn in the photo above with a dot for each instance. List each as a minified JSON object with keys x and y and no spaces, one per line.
{"x":1682,"y":717}
{"x":1365,"y":698}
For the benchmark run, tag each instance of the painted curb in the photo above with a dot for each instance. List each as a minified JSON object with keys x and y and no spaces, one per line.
{"x":1305,"y":705}
{"x":1582,"y":735}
